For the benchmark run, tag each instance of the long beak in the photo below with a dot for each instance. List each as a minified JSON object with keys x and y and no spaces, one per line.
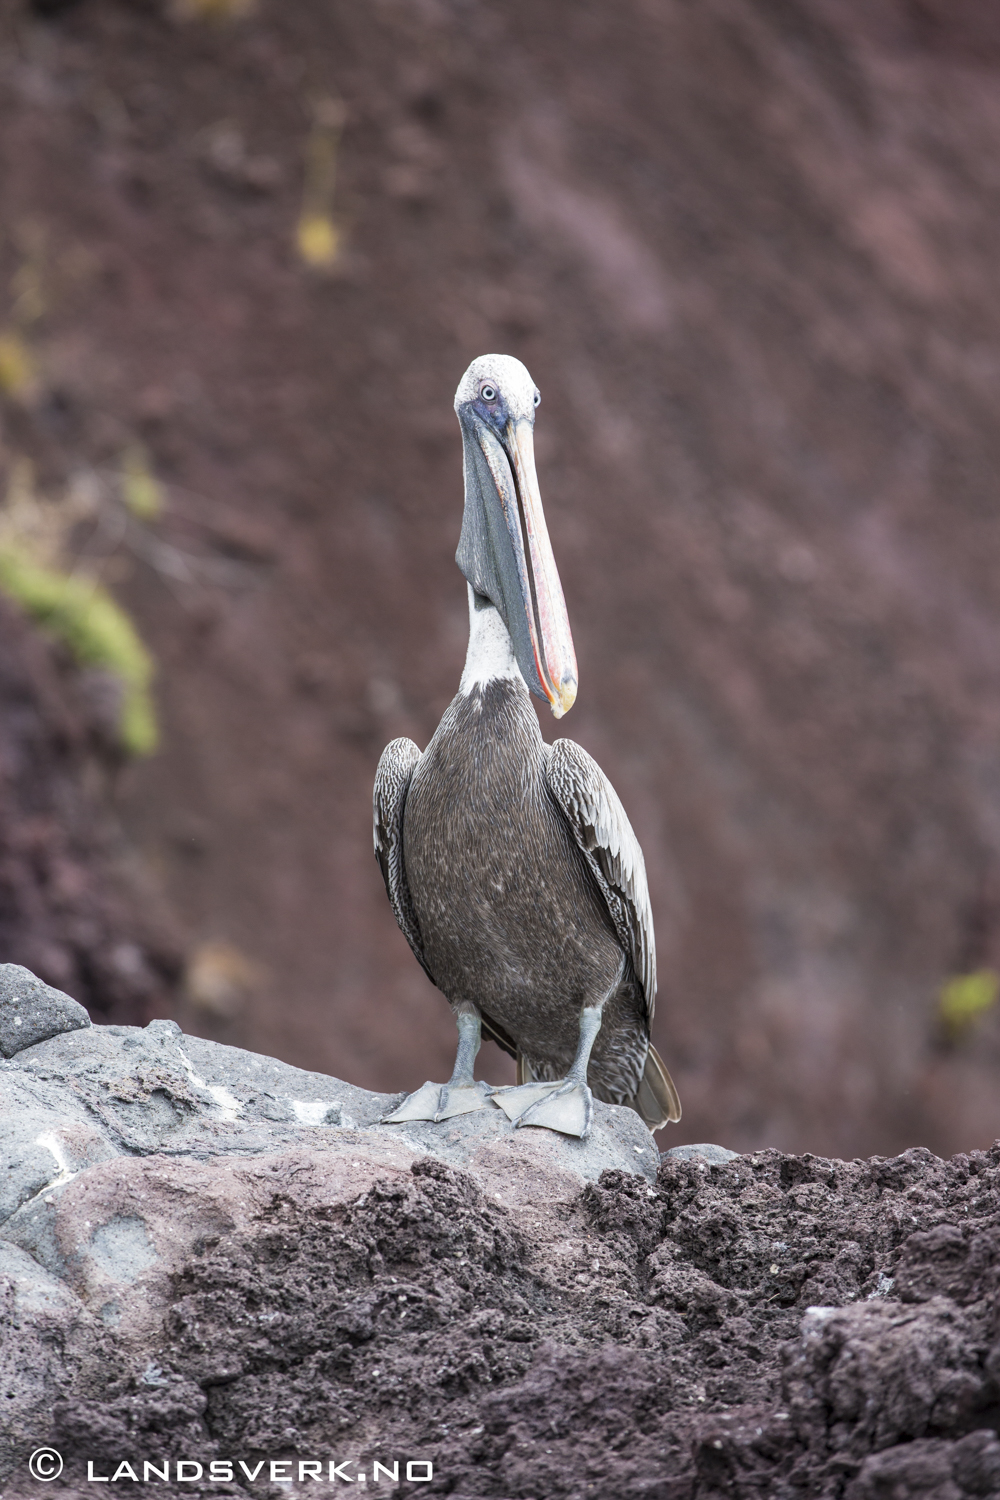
{"x":555,"y":658}
{"x":537,"y":575}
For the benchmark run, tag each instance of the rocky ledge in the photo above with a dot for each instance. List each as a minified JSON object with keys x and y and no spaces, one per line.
{"x":221,"y":1275}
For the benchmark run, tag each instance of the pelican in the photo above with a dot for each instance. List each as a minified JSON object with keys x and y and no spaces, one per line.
{"x":510,"y":864}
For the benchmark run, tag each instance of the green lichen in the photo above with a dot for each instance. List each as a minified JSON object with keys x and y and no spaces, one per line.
{"x":141,"y":490}
{"x":97,"y":631}
{"x":966,"y":996}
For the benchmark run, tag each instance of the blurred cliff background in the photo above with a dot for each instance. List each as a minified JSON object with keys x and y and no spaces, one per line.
{"x":750,"y":251}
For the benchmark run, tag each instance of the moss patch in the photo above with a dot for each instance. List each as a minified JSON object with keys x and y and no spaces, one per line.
{"x":967,"y":996}
{"x":98,"y":632}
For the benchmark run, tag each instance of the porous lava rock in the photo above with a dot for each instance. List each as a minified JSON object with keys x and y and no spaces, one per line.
{"x":209,"y":1257}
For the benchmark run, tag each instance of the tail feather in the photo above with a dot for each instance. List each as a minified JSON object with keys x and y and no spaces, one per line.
{"x":656,"y":1098}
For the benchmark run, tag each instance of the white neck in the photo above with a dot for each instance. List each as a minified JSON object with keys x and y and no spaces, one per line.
{"x":491,"y":651}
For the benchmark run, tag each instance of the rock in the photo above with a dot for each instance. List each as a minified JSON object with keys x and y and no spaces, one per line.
{"x":209,"y":1256}
{"x":126,"y":1151}
{"x":121,"y":1089}
{"x":714,"y":1155}
{"x":31,"y":1011}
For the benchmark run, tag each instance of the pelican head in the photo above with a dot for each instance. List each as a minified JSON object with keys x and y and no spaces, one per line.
{"x":504,"y":550}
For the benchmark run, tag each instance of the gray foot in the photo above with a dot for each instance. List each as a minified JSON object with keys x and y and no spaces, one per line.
{"x":567,"y":1107}
{"x":516,"y":1099}
{"x":440,"y":1101}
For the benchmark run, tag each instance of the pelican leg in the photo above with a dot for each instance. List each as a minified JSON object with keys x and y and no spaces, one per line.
{"x":461,"y":1095}
{"x":566,"y":1106}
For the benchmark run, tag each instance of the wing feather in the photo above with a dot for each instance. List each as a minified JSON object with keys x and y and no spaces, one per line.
{"x":601,"y":827}
{"x":392,"y":782}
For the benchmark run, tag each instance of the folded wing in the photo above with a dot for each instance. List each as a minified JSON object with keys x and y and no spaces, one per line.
{"x":601,"y":827}
{"x":392,"y":782}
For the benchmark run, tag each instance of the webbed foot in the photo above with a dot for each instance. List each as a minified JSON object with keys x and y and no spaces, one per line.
{"x":520,"y":1096}
{"x":567,"y":1107}
{"x":440,"y":1101}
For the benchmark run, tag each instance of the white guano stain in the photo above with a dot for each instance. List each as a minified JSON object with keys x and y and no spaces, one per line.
{"x":312,"y":1111}
{"x":230,"y":1107}
{"x":54,"y":1145}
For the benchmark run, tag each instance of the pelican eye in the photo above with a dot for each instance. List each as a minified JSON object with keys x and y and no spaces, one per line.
{"x":488,"y":392}
{"x":537,"y":398}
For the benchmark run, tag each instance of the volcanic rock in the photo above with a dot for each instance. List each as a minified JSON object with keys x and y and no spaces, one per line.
{"x":208,"y":1257}
{"x":32,"y":1011}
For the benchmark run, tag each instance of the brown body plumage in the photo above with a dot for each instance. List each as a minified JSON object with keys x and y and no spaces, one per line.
{"x":509,"y":913}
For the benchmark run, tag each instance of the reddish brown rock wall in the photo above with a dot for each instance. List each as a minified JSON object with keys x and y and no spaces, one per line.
{"x":749,"y":251}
